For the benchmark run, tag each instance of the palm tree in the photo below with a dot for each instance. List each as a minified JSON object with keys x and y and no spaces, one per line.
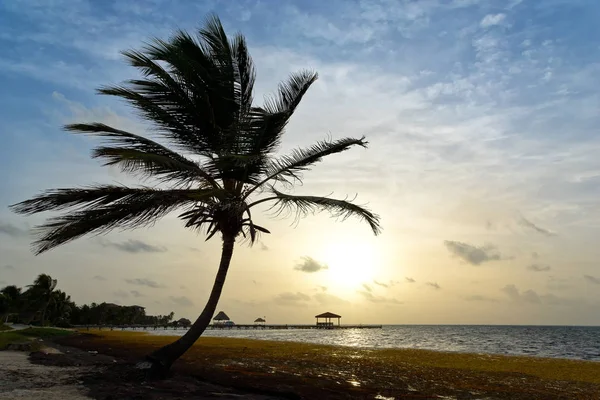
{"x":4,"y":307}
{"x":60,"y":308}
{"x":197,"y":93}
{"x":41,"y":292}
{"x":11,"y":298}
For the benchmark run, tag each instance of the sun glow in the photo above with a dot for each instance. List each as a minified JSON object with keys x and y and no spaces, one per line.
{"x":351,"y":263}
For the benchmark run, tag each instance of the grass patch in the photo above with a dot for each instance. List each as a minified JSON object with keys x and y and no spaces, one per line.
{"x":44,"y":333}
{"x":7,"y":338}
{"x":4,"y":328}
{"x":25,"y":335}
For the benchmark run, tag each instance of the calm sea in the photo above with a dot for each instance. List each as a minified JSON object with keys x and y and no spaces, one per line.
{"x":573,"y":342}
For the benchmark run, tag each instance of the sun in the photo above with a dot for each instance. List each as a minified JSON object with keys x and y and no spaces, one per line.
{"x":351,"y":263}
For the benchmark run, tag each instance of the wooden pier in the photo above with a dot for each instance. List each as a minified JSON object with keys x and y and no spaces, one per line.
{"x":229,"y":327}
{"x":267,"y":327}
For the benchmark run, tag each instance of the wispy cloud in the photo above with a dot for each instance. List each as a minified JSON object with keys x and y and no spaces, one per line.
{"x":367,"y":287}
{"x":433,"y":285}
{"x":472,"y":254}
{"x":145,"y":282}
{"x":309,"y":265}
{"x":386,"y":285}
{"x":528,"y":224}
{"x":409,"y":280}
{"x":538,"y":268}
{"x":592,"y":279}
{"x":134,"y":246}
{"x":9,"y":267}
{"x":99,"y":278}
{"x":135,"y":293}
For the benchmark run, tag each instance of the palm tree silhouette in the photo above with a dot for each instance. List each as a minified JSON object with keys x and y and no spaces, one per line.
{"x":11,"y":299}
{"x":197,"y":93}
{"x":41,"y":293}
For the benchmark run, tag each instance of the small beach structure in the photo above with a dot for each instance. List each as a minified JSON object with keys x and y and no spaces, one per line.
{"x":221,"y":318}
{"x":260,"y":321}
{"x":327,"y":317}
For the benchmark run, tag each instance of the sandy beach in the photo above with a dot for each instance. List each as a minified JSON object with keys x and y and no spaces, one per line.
{"x":59,"y":372}
{"x":20,"y":378}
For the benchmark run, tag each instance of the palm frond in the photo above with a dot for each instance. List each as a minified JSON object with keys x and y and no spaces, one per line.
{"x":103,"y":208}
{"x":136,"y":154}
{"x":208,"y":80}
{"x":265,"y":126}
{"x":245,"y":71}
{"x":105,"y":195}
{"x":167,"y":89}
{"x":167,"y":119}
{"x":290,"y":93}
{"x":190,"y":99}
{"x":288,"y":169}
{"x":239,"y":167}
{"x":300,"y":206}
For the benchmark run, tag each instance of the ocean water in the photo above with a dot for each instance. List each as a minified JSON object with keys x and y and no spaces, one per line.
{"x":574,"y":342}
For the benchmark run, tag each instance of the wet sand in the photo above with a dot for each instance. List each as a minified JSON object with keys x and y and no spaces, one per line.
{"x":307,"y":371}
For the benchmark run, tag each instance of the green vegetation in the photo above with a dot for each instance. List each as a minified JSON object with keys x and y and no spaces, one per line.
{"x":26,"y":335}
{"x":44,"y":333}
{"x":7,"y":338}
{"x":43,"y":304}
{"x":215,"y":158}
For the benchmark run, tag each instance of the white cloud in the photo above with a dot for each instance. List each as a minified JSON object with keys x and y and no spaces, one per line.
{"x":492,"y":19}
{"x":309,"y":265}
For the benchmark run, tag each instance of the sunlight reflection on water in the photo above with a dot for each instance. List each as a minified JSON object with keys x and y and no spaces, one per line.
{"x":545,"y":341}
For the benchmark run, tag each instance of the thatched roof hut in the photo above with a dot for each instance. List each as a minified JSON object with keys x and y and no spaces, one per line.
{"x":260,"y":321}
{"x":221,"y":317}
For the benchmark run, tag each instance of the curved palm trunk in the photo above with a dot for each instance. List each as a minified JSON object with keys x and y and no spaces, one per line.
{"x":163,"y":358}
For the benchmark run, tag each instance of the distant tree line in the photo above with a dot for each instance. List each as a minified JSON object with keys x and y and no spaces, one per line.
{"x":41,"y":303}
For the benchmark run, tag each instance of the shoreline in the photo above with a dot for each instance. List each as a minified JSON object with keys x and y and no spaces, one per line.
{"x":328,"y":371}
{"x":168,"y":333}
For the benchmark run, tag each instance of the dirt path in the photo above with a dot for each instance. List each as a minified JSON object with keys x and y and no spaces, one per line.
{"x":22,"y":379}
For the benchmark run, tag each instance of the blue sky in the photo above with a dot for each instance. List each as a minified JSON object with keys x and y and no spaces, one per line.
{"x":483,"y":119}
